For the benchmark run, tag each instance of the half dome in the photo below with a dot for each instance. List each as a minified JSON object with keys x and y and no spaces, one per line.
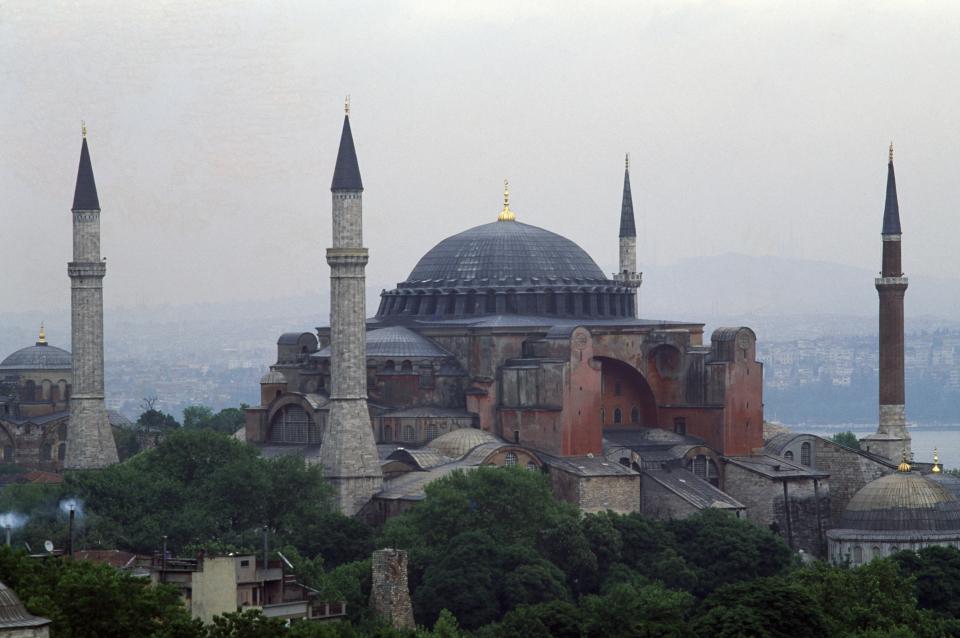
{"x":456,"y":443}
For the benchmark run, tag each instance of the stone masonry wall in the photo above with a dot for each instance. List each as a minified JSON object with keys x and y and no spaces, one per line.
{"x":389,"y":592}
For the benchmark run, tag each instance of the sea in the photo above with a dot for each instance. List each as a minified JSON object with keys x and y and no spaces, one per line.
{"x":924,"y":439}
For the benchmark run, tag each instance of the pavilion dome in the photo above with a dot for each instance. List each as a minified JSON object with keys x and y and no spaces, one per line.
{"x":41,"y":356}
{"x":902,"y":501}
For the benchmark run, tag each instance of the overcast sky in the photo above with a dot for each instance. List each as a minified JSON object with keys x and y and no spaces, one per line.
{"x":753,"y":127}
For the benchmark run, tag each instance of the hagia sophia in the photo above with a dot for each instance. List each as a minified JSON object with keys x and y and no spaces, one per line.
{"x":507,"y":345}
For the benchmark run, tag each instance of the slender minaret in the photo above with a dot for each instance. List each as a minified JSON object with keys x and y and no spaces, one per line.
{"x":89,"y":437}
{"x":628,"y":275}
{"x":348,"y":452}
{"x":891,"y":439}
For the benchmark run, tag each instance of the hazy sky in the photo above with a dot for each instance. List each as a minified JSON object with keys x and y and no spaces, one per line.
{"x":753,"y":127}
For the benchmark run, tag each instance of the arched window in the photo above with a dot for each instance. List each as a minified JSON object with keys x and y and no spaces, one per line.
{"x":603,"y":416}
{"x":551,"y":303}
{"x":62,"y":431}
{"x":531,"y":466}
{"x":46,"y":452}
{"x":406,"y":366}
{"x":61,"y":451}
{"x":29,"y":390}
{"x":617,"y":416}
{"x":510,"y":460}
{"x":635,"y":415}
{"x":292,"y":424}
{"x":805,"y":454}
{"x":788,"y":455}
{"x":62,"y":389}
{"x":857,"y":555}
{"x":894,"y":549}
{"x":46,"y":387}
{"x":387,"y":433}
{"x":491,"y":302}
{"x":408,"y":434}
{"x":389,"y":366}
{"x":433,"y":431}
{"x":415,"y":305}
{"x":876,"y":552}
{"x":8,"y":453}
{"x":571,"y":308}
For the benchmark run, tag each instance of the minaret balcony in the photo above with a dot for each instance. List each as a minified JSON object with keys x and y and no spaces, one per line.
{"x":629,"y":279}
{"x":890,"y":281}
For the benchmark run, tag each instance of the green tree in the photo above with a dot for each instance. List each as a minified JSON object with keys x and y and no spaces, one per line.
{"x":554,"y":619}
{"x":848,"y":439}
{"x":936,"y":573}
{"x":250,"y":623}
{"x":764,"y":608}
{"x":196,"y":417}
{"x":228,"y":420}
{"x":152,"y":420}
{"x":652,"y":610}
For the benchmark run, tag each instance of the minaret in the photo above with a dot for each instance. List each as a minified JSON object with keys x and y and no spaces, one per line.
{"x":628,"y":275}
{"x":89,"y":437}
{"x":891,"y":439}
{"x":348,"y":452}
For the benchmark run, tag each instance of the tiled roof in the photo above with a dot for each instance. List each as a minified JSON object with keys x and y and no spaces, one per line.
{"x":699,"y":493}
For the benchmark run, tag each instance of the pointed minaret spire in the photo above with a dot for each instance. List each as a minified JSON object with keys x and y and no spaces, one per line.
{"x":85,"y":195}
{"x":627,"y":226}
{"x":346,"y":174}
{"x":891,"y":209}
{"x":627,"y":274}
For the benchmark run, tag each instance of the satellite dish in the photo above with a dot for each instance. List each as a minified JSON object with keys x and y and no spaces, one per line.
{"x":48,"y":545}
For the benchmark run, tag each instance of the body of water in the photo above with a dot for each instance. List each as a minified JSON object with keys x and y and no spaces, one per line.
{"x":924,"y":439}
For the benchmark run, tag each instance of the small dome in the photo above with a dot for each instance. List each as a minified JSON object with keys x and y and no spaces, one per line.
{"x":38,"y":357}
{"x":902,"y":501}
{"x":274,"y":376}
{"x":457,"y":443}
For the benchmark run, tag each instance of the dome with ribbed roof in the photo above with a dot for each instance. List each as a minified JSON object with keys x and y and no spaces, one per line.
{"x":507,"y":267}
{"x":41,"y":356}
{"x":902,"y":501}
{"x":457,"y":443}
{"x":14,"y":614}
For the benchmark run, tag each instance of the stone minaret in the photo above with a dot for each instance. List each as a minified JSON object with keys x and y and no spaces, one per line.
{"x":89,"y":437}
{"x":348,"y":452}
{"x":627,"y":274}
{"x":891,"y":439}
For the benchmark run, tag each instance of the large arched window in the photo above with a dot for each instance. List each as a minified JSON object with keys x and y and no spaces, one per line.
{"x":531,"y":466}
{"x":857,"y":555}
{"x":292,"y":424}
{"x":433,"y":431}
{"x":805,"y":454}
{"x":62,"y":452}
{"x":406,"y":366}
{"x":510,"y":460}
{"x":700,"y":466}
{"x":46,"y":452}
{"x":408,"y":434}
{"x":46,"y":386}
{"x":788,"y":455}
{"x":617,"y":416}
{"x":29,"y":390}
{"x":387,"y":433}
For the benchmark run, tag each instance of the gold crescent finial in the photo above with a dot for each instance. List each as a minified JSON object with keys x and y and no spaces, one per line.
{"x":83,"y":128}
{"x":627,"y":161}
{"x":506,"y":215}
{"x":43,"y":335}
{"x":891,"y":150}
{"x":937,"y":468}
{"x":904,"y":465}
{"x":346,"y":104}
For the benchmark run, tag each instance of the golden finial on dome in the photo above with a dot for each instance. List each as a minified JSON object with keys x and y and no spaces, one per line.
{"x":506,"y":215}
{"x":83,"y":128}
{"x":891,"y":150}
{"x":904,"y":465}
{"x":937,"y":468}
{"x":42,"y":339}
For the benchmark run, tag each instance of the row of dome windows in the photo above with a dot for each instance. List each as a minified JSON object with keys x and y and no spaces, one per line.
{"x":805,"y":454}
{"x":532,"y":302}
{"x":618,"y":416}
{"x":46,"y":390}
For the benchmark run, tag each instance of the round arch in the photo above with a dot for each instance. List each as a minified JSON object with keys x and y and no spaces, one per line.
{"x":625,"y":388}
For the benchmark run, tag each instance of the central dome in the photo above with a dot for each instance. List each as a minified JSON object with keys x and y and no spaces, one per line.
{"x":505,"y":253}
{"x":38,"y":357}
{"x":902,"y":501}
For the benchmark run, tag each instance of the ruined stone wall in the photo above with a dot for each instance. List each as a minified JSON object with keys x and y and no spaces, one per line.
{"x":389,"y":591}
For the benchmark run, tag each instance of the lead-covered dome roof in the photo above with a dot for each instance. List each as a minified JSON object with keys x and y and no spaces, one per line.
{"x":505,"y":254}
{"x":41,"y":356}
{"x":902,"y":501}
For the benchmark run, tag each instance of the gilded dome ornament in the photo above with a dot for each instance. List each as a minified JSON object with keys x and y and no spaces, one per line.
{"x":506,"y":215}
